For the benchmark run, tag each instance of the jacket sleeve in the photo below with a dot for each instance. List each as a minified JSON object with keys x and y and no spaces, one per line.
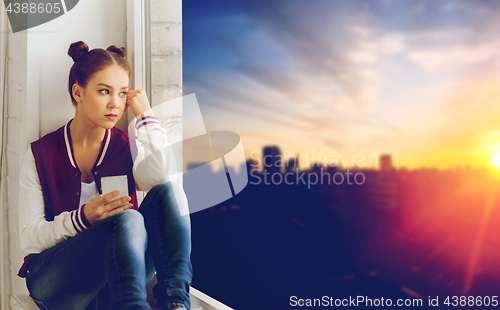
{"x":38,"y":234}
{"x":155,"y":162}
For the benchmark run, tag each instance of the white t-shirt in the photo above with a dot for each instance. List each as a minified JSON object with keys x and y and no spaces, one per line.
{"x":89,"y":191}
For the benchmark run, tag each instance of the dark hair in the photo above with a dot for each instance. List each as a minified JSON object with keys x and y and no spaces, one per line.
{"x":87,"y":63}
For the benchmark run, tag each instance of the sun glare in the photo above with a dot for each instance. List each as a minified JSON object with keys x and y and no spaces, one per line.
{"x":495,"y":160}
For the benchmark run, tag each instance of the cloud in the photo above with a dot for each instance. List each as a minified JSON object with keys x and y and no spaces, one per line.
{"x":316,"y":72}
{"x":260,"y":109}
{"x":454,"y":57}
{"x":315,"y":40}
{"x":327,"y":69}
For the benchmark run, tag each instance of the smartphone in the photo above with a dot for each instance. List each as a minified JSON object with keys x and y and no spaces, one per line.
{"x":111,"y":184}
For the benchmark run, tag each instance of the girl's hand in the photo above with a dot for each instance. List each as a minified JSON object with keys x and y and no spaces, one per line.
{"x":100,"y":207}
{"x":138,"y":102}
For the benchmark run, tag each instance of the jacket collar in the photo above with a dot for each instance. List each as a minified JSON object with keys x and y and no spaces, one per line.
{"x":69,"y":145}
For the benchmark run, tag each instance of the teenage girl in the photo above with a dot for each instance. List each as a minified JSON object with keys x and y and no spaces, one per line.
{"x":85,"y":250}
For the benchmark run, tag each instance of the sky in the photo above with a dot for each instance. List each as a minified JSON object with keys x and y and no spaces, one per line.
{"x":419,"y":80}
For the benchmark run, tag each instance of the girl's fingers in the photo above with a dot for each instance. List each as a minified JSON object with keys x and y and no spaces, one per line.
{"x":118,"y":210}
{"x":133,"y":93}
{"x":116,"y":203}
{"x":103,"y":199}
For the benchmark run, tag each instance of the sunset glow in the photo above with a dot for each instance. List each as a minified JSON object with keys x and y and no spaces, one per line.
{"x":495,"y":160}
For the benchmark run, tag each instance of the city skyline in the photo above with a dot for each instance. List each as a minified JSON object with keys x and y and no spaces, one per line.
{"x":318,"y":163}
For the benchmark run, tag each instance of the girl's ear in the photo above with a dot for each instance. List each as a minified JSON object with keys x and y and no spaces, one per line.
{"x":77,"y":93}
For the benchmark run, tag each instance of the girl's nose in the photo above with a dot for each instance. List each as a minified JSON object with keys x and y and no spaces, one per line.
{"x":113,"y":102}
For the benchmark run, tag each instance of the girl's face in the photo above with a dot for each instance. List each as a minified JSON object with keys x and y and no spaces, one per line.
{"x":104,"y":99}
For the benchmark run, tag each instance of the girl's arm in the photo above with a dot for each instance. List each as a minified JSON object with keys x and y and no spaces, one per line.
{"x":155,"y":162}
{"x":38,"y":234}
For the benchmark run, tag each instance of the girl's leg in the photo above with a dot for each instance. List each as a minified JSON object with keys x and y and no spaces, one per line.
{"x":168,"y":226}
{"x":70,"y":274}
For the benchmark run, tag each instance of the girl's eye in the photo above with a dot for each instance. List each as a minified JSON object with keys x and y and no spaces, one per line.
{"x":104,"y":91}
{"x":123,"y":94}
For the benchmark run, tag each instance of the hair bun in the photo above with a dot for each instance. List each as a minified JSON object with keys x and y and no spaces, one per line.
{"x":119,"y":50}
{"x":77,"y":49}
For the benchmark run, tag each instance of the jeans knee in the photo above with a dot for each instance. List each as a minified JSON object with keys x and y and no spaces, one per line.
{"x":165,"y":187}
{"x":175,"y":197}
{"x":130,"y":222}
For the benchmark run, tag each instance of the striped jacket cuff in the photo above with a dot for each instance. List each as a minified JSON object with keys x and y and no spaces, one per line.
{"x":146,"y":120}
{"x":78,"y":219}
{"x":84,"y":218}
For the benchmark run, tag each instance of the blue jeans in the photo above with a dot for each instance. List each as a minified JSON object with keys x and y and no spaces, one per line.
{"x":119,"y":255}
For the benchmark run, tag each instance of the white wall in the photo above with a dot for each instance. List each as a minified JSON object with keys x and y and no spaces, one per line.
{"x":4,"y":269}
{"x":166,"y":67}
{"x":17,"y":124}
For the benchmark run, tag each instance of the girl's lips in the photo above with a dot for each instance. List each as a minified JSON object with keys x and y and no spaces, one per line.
{"x":111,"y":116}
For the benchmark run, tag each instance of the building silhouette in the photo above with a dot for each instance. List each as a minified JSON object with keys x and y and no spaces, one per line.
{"x":386,"y":163}
{"x":251,"y":165}
{"x":272,"y":159}
{"x":292,"y":164}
